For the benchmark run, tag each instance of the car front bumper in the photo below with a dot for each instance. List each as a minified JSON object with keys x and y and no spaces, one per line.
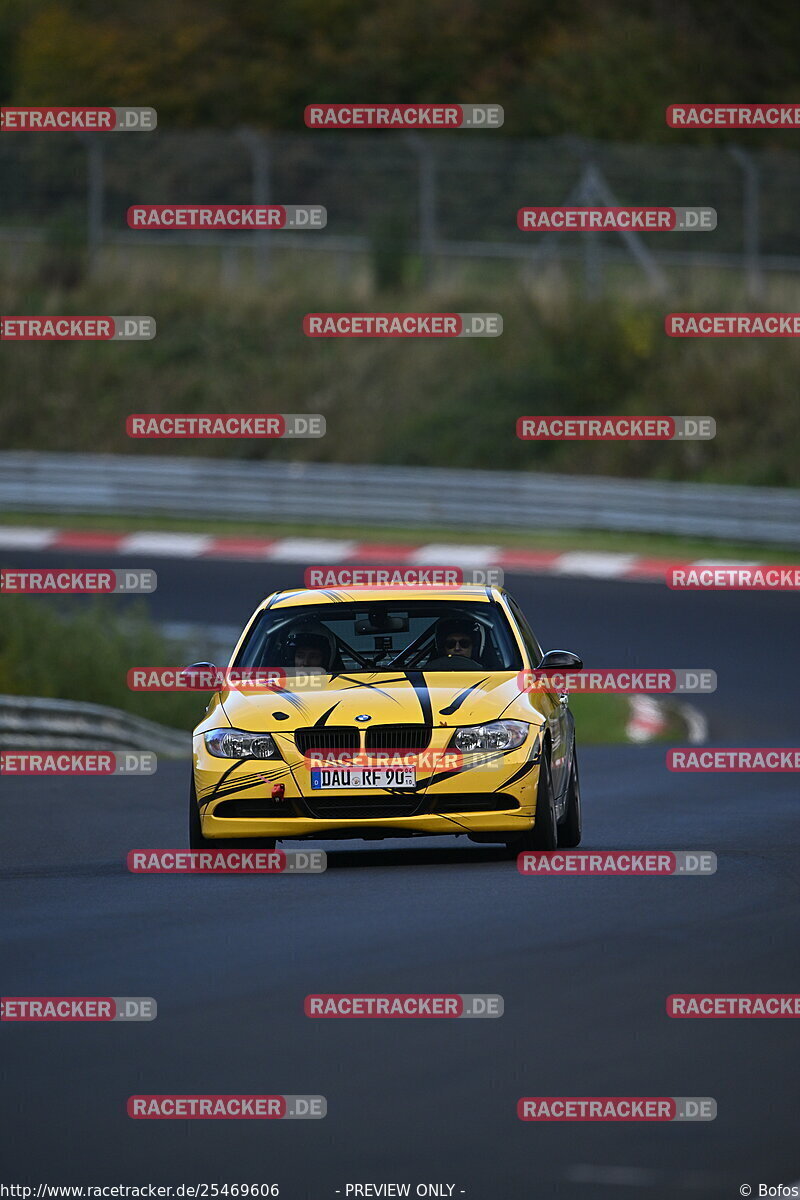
{"x":235,"y":800}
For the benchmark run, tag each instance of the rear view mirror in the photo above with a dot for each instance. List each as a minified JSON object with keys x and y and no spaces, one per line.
{"x":382,"y":622}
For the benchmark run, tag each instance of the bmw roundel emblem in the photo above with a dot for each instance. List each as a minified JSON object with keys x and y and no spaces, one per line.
{"x":363,"y":717}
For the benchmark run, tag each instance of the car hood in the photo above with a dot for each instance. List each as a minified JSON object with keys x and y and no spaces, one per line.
{"x":439,"y":698}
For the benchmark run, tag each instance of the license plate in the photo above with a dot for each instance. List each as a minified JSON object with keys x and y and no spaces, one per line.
{"x":352,"y":778}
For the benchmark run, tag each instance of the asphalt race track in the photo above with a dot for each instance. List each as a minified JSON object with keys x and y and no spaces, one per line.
{"x":585,"y":965}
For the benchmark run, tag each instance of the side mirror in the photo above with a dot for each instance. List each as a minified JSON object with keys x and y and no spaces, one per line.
{"x":560,"y":660}
{"x":203,"y":674}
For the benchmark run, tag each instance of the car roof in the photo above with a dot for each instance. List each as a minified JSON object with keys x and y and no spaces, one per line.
{"x":291,"y":598}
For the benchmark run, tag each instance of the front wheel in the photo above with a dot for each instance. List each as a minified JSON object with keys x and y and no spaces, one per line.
{"x":544,"y":835}
{"x":198,"y":842}
{"x":569,"y":831}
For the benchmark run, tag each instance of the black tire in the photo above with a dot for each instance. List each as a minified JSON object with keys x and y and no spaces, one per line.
{"x":569,"y":831}
{"x":198,"y":842}
{"x":196,"y":839}
{"x":544,"y":834}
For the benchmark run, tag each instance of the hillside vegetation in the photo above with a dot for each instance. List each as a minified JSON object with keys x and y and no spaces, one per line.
{"x":437,"y":402}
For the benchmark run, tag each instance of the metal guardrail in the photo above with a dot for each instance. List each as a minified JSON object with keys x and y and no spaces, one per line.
{"x":418,"y":497}
{"x":30,"y":723}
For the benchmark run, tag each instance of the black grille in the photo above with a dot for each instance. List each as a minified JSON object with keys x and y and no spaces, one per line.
{"x":255,"y":808}
{"x":349,"y":807}
{"x":326,"y":737}
{"x":398,"y":737}
{"x":476,"y":802}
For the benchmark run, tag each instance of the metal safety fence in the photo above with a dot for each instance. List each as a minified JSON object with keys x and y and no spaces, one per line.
{"x":439,"y":197}
{"x":416,"y":497}
{"x":32,"y":722}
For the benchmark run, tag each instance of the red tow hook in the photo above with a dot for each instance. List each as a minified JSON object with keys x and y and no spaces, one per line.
{"x":278,"y":791}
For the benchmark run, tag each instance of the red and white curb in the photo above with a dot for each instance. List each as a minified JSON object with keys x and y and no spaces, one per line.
{"x":587,"y":564}
{"x":648,"y":719}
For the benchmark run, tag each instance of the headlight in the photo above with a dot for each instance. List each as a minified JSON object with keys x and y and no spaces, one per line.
{"x":498,"y":735}
{"x":236,"y":743}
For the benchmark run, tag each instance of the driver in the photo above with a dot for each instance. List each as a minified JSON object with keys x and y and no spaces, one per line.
{"x":458,"y":637}
{"x":310,"y":650}
{"x":311,"y":646}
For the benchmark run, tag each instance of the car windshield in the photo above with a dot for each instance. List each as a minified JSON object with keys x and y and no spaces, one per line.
{"x":382,"y":636}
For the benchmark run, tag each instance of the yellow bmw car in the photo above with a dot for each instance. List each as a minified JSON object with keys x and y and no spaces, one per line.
{"x":389,"y":712}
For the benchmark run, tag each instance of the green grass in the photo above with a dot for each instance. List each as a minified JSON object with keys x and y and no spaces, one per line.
{"x":84,"y":653}
{"x":601,"y":721}
{"x":678,"y":549}
{"x":225,"y":347}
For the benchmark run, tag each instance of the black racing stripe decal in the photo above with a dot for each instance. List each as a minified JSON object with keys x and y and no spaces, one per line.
{"x":275,"y":766}
{"x":338,"y":597}
{"x":460,"y":698}
{"x":295,"y":701}
{"x":524,"y":770}
{"x":224,"y":788}
{"x":375,"y":687}
{"x":281,"y":596}
{"x":533,"y":759}
{"x":432,"y":779}
{"x":324,"y":718}
{"x":417,"y":681}
{"x":223,"y":777}
{"x":245,"y":784}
